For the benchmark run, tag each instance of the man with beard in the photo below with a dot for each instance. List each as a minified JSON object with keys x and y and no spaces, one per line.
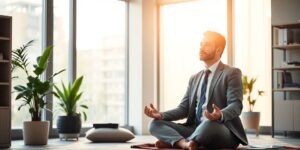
{"x":212,"y":105}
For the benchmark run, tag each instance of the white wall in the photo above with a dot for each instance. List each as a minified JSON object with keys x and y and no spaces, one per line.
{"x":285,"y":11}
{"x":142,"y":61}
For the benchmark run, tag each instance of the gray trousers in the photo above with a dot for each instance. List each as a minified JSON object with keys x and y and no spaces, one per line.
{"x":208,"y":134}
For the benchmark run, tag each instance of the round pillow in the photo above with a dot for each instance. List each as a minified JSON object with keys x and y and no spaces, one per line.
{"x":109,"y":135}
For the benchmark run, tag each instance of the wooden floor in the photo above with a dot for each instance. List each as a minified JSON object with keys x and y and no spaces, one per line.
{"x":83,"y":143}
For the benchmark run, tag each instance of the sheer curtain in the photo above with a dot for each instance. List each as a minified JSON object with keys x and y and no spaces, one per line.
{"x":180,"y":35}
{"x":252,"y":49}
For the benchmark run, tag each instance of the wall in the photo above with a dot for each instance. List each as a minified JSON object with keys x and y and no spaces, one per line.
{"x":142,"y":62}
{"x":285,"y":11}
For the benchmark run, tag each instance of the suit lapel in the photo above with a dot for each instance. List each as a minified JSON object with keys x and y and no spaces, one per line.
{"x":195,"y":89}
{"x":215,"y":79}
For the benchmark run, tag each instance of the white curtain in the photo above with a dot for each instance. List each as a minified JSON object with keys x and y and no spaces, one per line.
{"x":252,"y":49}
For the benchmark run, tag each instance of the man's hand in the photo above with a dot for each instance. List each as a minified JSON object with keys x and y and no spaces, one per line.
{"x":215,"y":115}
{"x":152,"y":112}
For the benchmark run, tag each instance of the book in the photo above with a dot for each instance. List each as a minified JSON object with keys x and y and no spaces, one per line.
{"x":279,"y":80}
{"x":283,"y":36}
{"x":275,"y":37}
{"x":287,"y":78}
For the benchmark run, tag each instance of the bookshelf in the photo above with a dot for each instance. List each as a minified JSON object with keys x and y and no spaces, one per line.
{"x":290,"y":47}
{"x":5,"y":80}
{"x":287,"y":68}
{"x":285,"y":77}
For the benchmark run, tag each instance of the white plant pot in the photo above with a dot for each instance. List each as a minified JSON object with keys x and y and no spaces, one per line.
{"x":35,"y":132}
{"x":250,"y":120}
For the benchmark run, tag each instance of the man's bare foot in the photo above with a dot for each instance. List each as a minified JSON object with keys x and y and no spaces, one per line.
{"x":192,"y":145}
{"x":187,"y":145}
{"x":161,"y":144}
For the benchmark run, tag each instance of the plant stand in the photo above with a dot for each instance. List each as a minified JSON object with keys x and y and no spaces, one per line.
{"x":68,"y":136}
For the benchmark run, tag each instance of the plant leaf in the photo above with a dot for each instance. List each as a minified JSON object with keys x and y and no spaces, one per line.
{"x":43,"y":61}
{"x":84,"y":116}
{"x":84,"y":106}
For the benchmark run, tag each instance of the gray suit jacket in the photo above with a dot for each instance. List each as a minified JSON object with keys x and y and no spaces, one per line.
{"x":225,"y":91}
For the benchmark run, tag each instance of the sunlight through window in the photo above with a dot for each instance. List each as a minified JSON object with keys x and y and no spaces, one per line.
{"x":180,"y":35}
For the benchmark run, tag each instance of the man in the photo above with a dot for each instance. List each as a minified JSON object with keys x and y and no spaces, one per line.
{"x":212,"y":105}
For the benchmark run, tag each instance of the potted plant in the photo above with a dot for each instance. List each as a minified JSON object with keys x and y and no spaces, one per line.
{"x":69,"y":126}
{"x":250,"y":119}
{"x":36,"y":131}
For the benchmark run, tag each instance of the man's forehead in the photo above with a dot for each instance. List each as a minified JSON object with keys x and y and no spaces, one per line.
{"x":207,"y":39}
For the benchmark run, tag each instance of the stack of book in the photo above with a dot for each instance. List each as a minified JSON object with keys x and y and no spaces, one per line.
{"x":286,"y":36}
{"x":285,"y":80}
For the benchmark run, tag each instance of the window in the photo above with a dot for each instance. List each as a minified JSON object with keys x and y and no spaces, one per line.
{"x":27,"y":15}
{"x":180,"y":35}
{"x":101,"y":52}
{"x":101,"y":48}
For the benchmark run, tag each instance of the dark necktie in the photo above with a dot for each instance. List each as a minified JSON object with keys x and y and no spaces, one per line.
{"x":202,"y":97}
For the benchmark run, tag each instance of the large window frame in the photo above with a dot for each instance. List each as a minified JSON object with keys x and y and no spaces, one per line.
{"x":47,"y":40}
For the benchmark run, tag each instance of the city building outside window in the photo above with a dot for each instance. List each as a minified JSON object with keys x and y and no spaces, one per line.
{"x":101,"y":53}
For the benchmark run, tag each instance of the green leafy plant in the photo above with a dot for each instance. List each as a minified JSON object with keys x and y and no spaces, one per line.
{"x":69,"y":97}
{"x":248,"y":89}
{"x":33,"y":92}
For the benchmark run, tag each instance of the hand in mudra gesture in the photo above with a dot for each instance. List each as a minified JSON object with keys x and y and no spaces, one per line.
{"x":152,"y":112}
{"x":215,"y":115}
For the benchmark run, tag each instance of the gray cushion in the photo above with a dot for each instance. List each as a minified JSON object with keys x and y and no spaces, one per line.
{"x":109,"y":135}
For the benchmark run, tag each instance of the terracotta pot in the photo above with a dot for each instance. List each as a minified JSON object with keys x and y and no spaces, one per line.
{"x":35,"y":132}
{"x":250,"y":120}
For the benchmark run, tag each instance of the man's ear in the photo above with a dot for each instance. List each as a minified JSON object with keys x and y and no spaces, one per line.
{"x":220,"y":51}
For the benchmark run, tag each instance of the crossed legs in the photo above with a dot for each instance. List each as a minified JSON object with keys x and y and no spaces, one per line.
{"x":210,"y":134}
{"x":168,"y":132}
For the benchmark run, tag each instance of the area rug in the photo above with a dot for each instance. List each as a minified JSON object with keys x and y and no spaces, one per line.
{"x":152,"y":146}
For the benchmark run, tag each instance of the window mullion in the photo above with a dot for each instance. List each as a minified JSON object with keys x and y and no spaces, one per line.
{"x":72,"y":41}
{"x":47,"y":40}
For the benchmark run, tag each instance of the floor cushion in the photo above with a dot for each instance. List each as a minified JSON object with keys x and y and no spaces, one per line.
{"x":109,"y":135}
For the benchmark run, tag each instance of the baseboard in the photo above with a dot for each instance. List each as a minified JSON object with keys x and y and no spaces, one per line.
{"x":267,"y":130}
